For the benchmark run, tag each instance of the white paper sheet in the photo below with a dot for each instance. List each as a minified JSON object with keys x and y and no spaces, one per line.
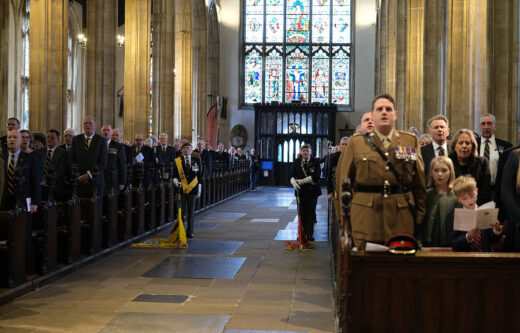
{"x":372,"y":247}
{"x":139,"y":158}
{"x":468,"y":219}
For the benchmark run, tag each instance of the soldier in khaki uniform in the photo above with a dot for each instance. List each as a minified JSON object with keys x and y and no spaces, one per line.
{"x":382,"y":205}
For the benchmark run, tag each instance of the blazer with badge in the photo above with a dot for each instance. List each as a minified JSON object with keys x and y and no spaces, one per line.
{"x":32,"y":171}
{"x":61,"y":163}
{"x":95,"y":159}
{"x":115,"y":171}
{"x":374,"y":217}
{"x":190,"y":173}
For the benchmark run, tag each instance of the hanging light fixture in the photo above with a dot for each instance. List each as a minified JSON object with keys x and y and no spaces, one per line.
{"x":120,"y":40}
{"x":82,"y":40}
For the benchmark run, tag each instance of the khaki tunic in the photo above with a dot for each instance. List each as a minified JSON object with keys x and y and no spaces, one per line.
{"x":372,"y":217}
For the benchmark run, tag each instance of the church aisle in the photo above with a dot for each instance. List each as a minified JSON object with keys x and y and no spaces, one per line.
{"x":236,"y":276}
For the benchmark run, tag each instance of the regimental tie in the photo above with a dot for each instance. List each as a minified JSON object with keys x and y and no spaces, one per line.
{"x":188,"y":164}
{"x":441,"y":151}
{"x":10,"y":176}
{"x":86,"y":144}
{"x":476,"y":245}
{"x":47,"y":163}
{"x":486,"y":150}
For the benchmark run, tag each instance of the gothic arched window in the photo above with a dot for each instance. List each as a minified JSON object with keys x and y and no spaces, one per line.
{"x":297,"y":50}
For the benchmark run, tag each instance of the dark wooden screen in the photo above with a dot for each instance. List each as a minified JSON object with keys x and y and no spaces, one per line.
{"x":280,"y":130}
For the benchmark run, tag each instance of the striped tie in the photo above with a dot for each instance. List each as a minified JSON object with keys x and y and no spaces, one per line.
{"x":476,"y":245}
{"x":10,"y":176}
{"x":441,"y":151}
{"x":486,"y":150}
{"x":47,"y":163}
{"x":86,"y":144}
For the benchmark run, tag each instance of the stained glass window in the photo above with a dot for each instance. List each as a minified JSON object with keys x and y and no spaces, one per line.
{"x":297,"y":50}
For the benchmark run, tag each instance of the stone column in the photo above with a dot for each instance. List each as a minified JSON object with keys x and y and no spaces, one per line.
{"x":434,"y":60}
{"x":48,"y":64}
{"x":101,"y":60}
{"x":503,"y":55}
{"x":466,"y":95}
{"x":199,"y":70}
{"x":414,"y":68}
{"x":137,"y":68}
{"x":183,"y":122}
{"x":213,"y":63}
{"x":163,"y":66}
{"x":4,"y":61}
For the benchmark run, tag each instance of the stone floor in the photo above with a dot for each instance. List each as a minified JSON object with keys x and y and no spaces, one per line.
{"x":235,"y":277}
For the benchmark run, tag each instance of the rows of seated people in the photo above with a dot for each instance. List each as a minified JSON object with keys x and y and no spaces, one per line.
{"x":61,"y":203}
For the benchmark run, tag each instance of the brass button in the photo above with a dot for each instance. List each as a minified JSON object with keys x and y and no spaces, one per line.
{"x":386,"y":154}
{"x":387,"y":168}
{"x":385,"y":195}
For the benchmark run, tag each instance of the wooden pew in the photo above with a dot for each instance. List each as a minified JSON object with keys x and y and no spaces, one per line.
{"x":45,"y":242}
{"x":69,"y":230}
{"x":430,"y":292}
{"x":150,"y":208}
{"x":91,"y":229}
{"x":12,"y":252}
{"x":110,"y":219}
{"x":138,"y":205}
{"x":160,"y":202}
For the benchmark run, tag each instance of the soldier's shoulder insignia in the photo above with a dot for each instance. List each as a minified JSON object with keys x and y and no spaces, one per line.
{"x":355,"y":135}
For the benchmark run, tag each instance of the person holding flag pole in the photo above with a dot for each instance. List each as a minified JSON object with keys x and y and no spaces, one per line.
{"x":187,"y":174}
{"x":305,"y":177}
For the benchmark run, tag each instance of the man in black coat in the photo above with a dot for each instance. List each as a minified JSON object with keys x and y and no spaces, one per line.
{"x":20,"y":164}
{"x":491,"y":147}
{"x":143,"y":156}
{"x":333,"y":163}
{"x":12,"y":124}
{"x":166,"y":154}
{"x":89,"y":153}
{"x":221,"y":156}
{"x":438,"y":129}
{"x":57,"y":159}
{"x":68,"y":135}
{"x":117,"y":136}
{"x":305,"y":177}
{"x":207,"y":159}
{"x":187,"y":173}
{"x":115,"y":170}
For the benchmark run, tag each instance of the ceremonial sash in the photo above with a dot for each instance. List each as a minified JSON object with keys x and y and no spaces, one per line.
{"x":186,"y":188}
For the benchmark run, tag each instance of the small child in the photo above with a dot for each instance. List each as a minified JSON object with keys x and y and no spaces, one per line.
{"x":475,"y":240}
{"x":440,"y":203}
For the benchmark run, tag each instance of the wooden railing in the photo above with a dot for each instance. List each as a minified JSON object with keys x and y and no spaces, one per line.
{"x":426,"y":292}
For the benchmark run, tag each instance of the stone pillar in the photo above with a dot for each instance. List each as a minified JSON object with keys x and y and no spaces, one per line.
{"x":163,"y":66}
{"x":199,"y":70}
{"x":183,"y":122}
{"x":4,"y":61}
{"x":213,"y":66}
{"x":414,"y":68}
{"x":466,"y":95}
{"x":101,"y":59}
{"x":48,"y":64}
{"x":503,"y":56}
{"x":137,"y":68}
{"x":434,"y":60}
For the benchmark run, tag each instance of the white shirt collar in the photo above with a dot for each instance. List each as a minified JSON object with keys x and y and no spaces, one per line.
{"x":436,"y":146}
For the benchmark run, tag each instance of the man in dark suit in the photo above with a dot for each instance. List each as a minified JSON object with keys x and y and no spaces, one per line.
{"x":491,"y":147}
{"x":12,"y":124}
{"x":187,"y":174}
{"x":57,"y":159}
{"x":89,"y":153}
{"x":333,"y":163}
{"x":166,"y":154}
{"x":221,"y":156}
{"x":117,"y":136}
{"x":145,"y":157}
{"x":207,"y":159}
{"x":115,"y":171}
{"x":20,"y":164}
{"x":438,"y":129}
{"x":68,"y":135}
{"x":305,"y":178}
